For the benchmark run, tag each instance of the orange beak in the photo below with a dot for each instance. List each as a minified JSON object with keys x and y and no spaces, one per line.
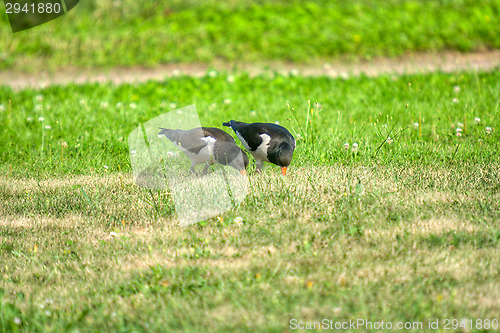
{"x":243,"y":172}
{"x":283,"y":171}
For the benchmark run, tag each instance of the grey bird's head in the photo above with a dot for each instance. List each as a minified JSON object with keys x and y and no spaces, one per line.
{"x":230,"y":154}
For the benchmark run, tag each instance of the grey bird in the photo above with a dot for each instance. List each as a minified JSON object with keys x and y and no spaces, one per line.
{"x":208,"y":145}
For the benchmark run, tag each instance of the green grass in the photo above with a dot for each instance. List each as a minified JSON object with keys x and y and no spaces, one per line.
{"x":404,"y":231}
{"x":109,"y":33}
{"x":315,"y":247}
{"x":95,"y":119}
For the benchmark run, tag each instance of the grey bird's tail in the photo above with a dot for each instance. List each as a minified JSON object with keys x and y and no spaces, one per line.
{"x":171,"y":134}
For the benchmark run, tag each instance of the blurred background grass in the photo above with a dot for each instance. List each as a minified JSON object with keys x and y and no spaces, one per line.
{"x":109,"y":33}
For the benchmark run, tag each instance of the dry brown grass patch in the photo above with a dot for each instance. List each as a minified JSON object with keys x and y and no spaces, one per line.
{"x":31,"y":185}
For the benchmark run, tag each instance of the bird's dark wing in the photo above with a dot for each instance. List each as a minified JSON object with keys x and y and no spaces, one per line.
{"x":278,"y":134}
{"x":250,"y":133}
{"x":192,"y":140}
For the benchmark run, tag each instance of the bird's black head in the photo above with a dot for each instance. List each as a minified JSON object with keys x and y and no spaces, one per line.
{"x":285,"y":156}
{"x":282,"y":156}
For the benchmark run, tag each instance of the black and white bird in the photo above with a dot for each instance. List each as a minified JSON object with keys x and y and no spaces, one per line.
{"x":208,"y":145}
{"x":266,"y":142}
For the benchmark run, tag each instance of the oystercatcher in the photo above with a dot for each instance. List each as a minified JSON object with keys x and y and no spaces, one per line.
{"x":208,"y":145}
{"x":266,"y":142}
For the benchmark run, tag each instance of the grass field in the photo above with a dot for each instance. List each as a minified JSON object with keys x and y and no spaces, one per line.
{"x":421,"y":113}
{"x":110,"y":33}
{"x":405,"y":228}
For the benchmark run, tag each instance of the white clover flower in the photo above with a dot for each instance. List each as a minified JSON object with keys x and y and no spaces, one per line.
{"x":173,"y":105}
{"x":456,"y":88}
{"x":389,"y":140}
{"x":17,"y":321}
{"x":212,"y":73}
{"x":477,"y":120}
{"x":119,"y":105}
{"x":41,"y":119}
{"x":488,"y":130}
{"x":346,"y":146}
{"x":106,"y":167}
{"x":416,"y":125}
{"x":460,"y":125}
{"x":171,"y":154}
{"x":455,"y":100}
{"x":298,"y":136}
{"x":48,"y":313}
{"x":459,"y":133}
{"x":227,"y":101}
{"x":2,"y":107}
{"x":64,"y":144}
{"x":238,"y":221}
{"x":133,"y":105}
{"x":113,"y":234}
{"x":39,"y":98}
{"x":38,"y":107}
{"x":337,"y":311}
{"x":354,"y":147}
{"x":230,"y":79}
{"x":459,"y":129}
{"x":277,"y":122}
{"x":104,"y":105}
{"x":48,"y":127}
{"x":253,"y":113}
{"x":29,"y":119}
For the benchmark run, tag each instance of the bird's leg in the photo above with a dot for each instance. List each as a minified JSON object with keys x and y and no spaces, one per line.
{"x":205,"y":170}
{"x":259,"y":164}
{"x":192,"y":168}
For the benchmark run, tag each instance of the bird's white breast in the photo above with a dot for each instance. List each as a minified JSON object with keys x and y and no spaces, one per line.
{"x":205,"y":154}
{"x":261,"y":152}
{"x":210,"y":144}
